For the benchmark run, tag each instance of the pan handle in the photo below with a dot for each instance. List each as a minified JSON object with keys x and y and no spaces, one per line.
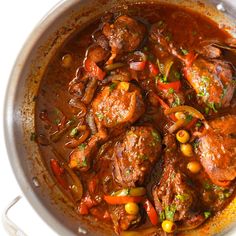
{"x":9,"y":225}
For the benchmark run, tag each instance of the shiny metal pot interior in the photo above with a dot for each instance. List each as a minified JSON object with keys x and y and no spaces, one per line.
{"x":67,"y":17}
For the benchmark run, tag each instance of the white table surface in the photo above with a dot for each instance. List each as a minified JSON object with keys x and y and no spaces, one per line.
{"x":17,"y":20}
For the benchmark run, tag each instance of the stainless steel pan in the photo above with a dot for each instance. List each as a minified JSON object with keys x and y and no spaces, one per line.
{"x":33,"y":177}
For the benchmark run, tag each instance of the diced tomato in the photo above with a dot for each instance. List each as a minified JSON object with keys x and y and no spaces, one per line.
{"x":138,"y":66}
{"x":176,"y":85}
{"x":116,"y":200}
{"x":153,"y":69}
{"x":151,"y":212}
{"x":58,"y":173}
{"x":91,"y":67}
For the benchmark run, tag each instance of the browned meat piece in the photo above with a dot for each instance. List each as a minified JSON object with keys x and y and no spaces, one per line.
{"x":217,"y":150}
{"x":209,"y":51}
{"x":80,"y":158}
{"x":97,"y":54}
{"x":122,"y":220}
{"x":212,"y":81}
{"x":156,"y":36}
{"x":135,"y":153}
{"x":174,"y":197}
{"x":119,"y":103}
{"x":124,"y":35}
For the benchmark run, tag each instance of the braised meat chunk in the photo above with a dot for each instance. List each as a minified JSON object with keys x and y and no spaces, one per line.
{"x":212,"y":81}
{"x":174,"y":196}
{"x":217,"y":150}
{"x":119,"y":103}
{"x":124,"y":35}
{"x":135,"y":154}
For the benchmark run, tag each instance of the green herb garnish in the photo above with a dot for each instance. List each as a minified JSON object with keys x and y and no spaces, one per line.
{"x":171,"y":90}
{"x":170,"y":212}
{"x":207,"y":214}
{"x":156,"y":136}
{"x":184,"y":51}
{"x":112,"y":86}
{"x":82,"y":146}
{"x":100,"y":116}
{"x":74,"y":132}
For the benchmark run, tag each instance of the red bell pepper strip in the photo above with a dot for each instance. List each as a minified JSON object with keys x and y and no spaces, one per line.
{"x":191,"y":123}
{"x":153,"y":69}
{"x":91,"y":67}
{"x":164,"y":105}
{"x":176,"y":85}
{"x":118,"y":200}
{"x":151,"y":212}
{"x":58,"y":173}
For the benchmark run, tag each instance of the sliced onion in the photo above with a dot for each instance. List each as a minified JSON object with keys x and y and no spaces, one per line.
{"x":91,"y":123}
{"x":177,"y":125}
{"x":192,"y":111}
{"x":113,"y":66}
{"x":76,"y":180}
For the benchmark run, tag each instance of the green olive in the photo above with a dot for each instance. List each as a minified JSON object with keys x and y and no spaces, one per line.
{"x":186,"y":149}
{"x":132,"y":208}
{"x":194,"y":167}
{"x":182,"y":136}
{"x":168,"y":226}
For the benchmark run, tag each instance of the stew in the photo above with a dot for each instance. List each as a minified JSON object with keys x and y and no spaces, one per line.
{"x":136,"y":119}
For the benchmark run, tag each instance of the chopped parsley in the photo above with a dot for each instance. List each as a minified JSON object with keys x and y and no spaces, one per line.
{"x":182,"y":197}
{"x":184,"y":51}
{"x":143,"y":157}
{"x":100,"y":116}
{"x":170,"y":212}
{"x":207,"y":214}
{"x":162,"y":216}
{"x":207,"y":110}
{"x":74,"y":132}
{"x":189,"y":118}
{"x":212,"y":106}
{"x":145,"y":49}
{"x":171,"y":90}
{"x":57,"y":121}
{"x":112,"y":86}
{"x":82,"y":146}
{"x":156,"y":136}
{"x":84,"y":163}
{"x":198,"y":124}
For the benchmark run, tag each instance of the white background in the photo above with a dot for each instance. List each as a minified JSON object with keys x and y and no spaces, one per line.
{"x":17,"y":20}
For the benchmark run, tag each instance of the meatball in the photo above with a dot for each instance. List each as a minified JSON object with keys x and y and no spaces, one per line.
{"x":212,"y":81}
{"x":217,"y":150}
{"x":119,"y":103}
{"x":135,"y":153}
{"x":124,"y":35}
